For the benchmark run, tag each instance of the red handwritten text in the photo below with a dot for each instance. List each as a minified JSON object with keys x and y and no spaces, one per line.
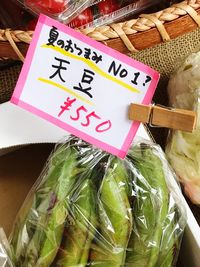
{"x":87,"y":117}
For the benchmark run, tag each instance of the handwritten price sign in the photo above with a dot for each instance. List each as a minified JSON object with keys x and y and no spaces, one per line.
{"x":83,"y":86}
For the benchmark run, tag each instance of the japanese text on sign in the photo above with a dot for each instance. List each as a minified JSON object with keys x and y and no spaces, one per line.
{"x":83,"y":86}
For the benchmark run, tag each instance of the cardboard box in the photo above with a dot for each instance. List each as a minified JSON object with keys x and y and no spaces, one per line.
{"x":20,"y":168}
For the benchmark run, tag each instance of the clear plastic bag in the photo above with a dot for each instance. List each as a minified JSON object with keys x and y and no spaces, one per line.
{"x":89,"y":208}
{"x":4,"y":251}
{"x":62,"y":10}
{"x":110,"y":11}
{"x":183,"y":149}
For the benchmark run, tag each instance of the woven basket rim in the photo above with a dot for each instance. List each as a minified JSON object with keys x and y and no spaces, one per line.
{"x":124,"y":32}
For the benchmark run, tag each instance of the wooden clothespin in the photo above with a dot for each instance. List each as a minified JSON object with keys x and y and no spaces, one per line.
{"x":178,"y":119}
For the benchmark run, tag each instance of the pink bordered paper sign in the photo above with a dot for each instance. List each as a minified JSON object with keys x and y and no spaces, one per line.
{"x":83,"y":86}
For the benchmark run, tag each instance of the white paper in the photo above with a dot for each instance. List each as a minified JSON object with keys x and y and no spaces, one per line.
{"x":82,"y":86}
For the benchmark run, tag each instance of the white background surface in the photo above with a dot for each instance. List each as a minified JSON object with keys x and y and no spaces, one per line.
{"x":21,"y":127}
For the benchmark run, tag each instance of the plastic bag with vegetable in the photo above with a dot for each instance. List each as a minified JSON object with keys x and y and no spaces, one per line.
{"x":5,"y":260}
{"x":183,"y":149}
{"x":89,"y":208}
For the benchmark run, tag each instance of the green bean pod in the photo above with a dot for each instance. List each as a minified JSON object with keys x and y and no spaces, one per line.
{"x":150,"y":208}
{"x":170,"y":242}
{"x":80,"y":230}
{"x":115,"y":218}
{"x":50,"y":207}
{"x":36,"y":205}
{"x":54,"y":227}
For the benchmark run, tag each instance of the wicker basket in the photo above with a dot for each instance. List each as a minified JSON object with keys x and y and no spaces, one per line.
{"x":129,"y":36}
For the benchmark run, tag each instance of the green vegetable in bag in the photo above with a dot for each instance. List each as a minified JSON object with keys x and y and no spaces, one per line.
{"x":115,"y":218}
{"x":150,"y":208}
{"x":51,"y":211}
{"x":39,"y":202}
{"x":92,"y":209}
{"x":81,"y":228}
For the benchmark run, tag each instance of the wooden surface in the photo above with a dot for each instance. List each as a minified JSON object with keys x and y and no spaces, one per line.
{"x":139,"y":112}
{"x":152,"y":37}
{"x":140,"y":40}
{"x":178,"y":119}
{"x":18,"y":172}
{"x":7,"y":51}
